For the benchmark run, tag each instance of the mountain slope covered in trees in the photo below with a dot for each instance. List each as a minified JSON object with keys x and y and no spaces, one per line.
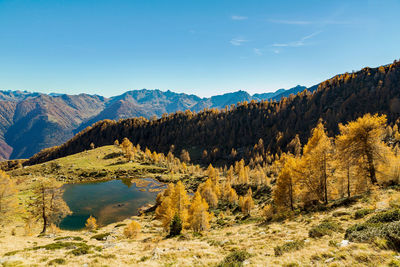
{"x":252,"y":130}
{"x":30,"y":122}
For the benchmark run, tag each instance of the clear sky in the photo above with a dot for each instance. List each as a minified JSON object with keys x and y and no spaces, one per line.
{"x":205,"y":47}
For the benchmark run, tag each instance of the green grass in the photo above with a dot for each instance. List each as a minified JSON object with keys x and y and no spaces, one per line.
{"x":61,"y":245}
{"x":100,"y":163}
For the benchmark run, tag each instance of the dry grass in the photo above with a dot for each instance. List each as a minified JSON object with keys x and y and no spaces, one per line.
{"x":151,"y":248}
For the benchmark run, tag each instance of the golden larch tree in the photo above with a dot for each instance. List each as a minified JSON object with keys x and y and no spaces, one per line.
{"x":318,"y":156}
{"x":199,"y":217}
{"x":283,"y":194}
{"x":247,"y":203}
{"x":91,"y":223}
{"x":207,"y":191}
{"x":363,"y":138}
{"x":48,"y":204}
{"x":181,"y":202}
{"x":132,"y":230}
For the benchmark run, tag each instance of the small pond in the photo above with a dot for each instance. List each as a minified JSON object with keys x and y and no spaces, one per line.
{"x":109,"y":201}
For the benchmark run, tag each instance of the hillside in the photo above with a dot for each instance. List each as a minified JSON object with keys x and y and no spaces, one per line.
{"x":260,"y":240}
{"x":321,"y":237}
{"x":225,"y":136}
{"x":30,"y":122}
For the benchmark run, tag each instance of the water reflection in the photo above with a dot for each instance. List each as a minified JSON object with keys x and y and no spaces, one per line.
{"x":109,"y":202}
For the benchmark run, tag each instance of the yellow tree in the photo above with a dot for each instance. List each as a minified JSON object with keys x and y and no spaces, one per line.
{"x":228,"y":193}
{"x":132,"y":229}
{"x":362,"y":138}
{"x":207,"y":191}
{"x":247,"y":203}
{"x":185,"y":157}
{"x":199,"y":217}
{"x":232,"y":196}
{"x":8,"y":198}
{"x":283,"y":194}
{"x":181,"y":202}
{"x":317,"y":155}
{"x":127,"y":148}
{"x":344,"y":170}
{"x":91,"y":223}
{"x":48,"y":204}
{"x":229,"y":175}
{"x":165,"y":212}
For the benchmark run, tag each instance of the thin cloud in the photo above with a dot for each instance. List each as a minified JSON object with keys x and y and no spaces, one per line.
{"x":257,"y":51}
{"x":308,"y":22}
{"x":237,"y":41}
{"x":291,"y":22}
{"x":297,"y":43}
{"x":235,"y":17}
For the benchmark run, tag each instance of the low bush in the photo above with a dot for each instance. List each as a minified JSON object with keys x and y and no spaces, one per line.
{"x":385,"y":225}
{"x":324,"y":228}
{"x":57,"y":262}
{"x":288,"y":247}
{"x":386,"y":216}
{"x":81,"y":250}
{"x":100,"y":237}
{"x":362,"y":213}
{"x":235,"y":259}
{"x":77,"y":248}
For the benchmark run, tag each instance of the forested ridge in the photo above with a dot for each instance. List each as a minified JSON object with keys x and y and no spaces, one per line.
{"x":251,"y":129}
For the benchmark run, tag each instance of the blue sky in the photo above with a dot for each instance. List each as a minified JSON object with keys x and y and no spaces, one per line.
{"x":205,"y":47}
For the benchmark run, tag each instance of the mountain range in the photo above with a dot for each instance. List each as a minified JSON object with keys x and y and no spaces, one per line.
{"x":32,"y":121}
{"x":251,"y":130}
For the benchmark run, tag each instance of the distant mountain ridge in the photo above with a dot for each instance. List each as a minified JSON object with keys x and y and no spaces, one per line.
{"x":32,"y":121}
{"x":252,"y":131}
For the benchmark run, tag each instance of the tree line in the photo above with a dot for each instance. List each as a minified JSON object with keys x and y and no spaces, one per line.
{"x":255,"y":130}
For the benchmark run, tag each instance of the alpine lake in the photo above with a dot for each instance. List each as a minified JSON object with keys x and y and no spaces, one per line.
{"x":107,"y":201}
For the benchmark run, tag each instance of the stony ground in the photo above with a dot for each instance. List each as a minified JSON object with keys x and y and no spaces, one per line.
{"x":229,"y":233}
{"x":152,"y":248}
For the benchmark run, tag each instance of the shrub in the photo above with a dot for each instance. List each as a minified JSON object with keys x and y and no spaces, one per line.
{"x":369,"y":232}
{"x":289,"y":246}
{"x":235,"y":259}
{"x":386,"y":217}
{"x":100,"y":237}
{"x":77,"y":248}
{"x":362,"y":213}
{"x":82,"y":250}
{"x":324,"y":228}
{"x":57,"y":262}
{"x":175,"y":226}
{"x":132,"y":230}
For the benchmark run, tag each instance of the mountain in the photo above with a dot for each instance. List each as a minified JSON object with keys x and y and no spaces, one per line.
{"x":30,"y":122}
{"x":251,"y":129}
